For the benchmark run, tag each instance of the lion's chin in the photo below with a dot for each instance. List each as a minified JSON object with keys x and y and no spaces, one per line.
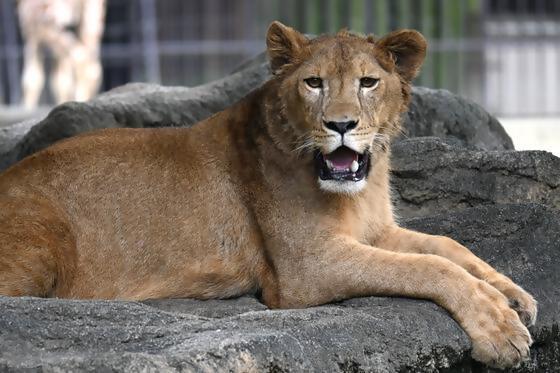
{"x":342,"y":186}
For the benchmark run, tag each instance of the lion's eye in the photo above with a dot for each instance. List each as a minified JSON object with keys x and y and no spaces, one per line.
{"x":314,"y":82}
{"x":368,"y":82}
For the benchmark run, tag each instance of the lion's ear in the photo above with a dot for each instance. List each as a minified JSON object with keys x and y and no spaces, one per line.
{"x":407,"y":49}
{"x":283,"y":44}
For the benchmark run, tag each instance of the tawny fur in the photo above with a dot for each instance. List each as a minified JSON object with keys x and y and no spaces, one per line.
{"x":233,"y":204}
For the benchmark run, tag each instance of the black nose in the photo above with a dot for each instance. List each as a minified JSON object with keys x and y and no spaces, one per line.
{"x":341,"y":127}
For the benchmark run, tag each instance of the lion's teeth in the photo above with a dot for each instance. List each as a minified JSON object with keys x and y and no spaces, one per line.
{"x":354,"y":166}
{"x":329,"y":164}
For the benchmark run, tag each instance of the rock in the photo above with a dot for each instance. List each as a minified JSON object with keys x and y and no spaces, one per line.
{"x":433,"y":112}
{"x":440,"y":113}
{"x":357,"y":335}
{"x":11,"y":134}
{"x":521,"y":241}
{"x":430,"y":177}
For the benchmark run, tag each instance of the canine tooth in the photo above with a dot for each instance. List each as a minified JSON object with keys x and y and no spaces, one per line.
{"x":329,"y":164}
{"x":354,"y":166}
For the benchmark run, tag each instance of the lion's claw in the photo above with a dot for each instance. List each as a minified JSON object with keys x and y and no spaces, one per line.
{"x":499,"y":337}
{"x":519,"y":300}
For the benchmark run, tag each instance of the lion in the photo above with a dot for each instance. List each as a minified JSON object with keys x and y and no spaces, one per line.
{"x":284,"y":195}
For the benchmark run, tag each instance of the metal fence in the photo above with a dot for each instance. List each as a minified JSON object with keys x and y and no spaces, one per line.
{"x":503,"y":54}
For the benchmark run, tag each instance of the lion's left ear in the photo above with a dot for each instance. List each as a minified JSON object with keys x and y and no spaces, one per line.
{"x":283,"y":45}
{"x":407,"y":49}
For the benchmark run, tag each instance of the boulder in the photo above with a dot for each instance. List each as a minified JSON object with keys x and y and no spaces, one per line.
{"x":13,"y":133}
{"x":430,"y":177}
{"x":440,"y":113}
{"x":366,"y":334}
{"x":433,"y":113}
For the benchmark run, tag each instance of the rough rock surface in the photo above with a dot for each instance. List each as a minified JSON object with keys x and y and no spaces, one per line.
{"x":433,"y":113}
{"x":11,"y":134}
{"x":430,"y":177}
{"x":440,"y":113}
{"x":358,"y":335}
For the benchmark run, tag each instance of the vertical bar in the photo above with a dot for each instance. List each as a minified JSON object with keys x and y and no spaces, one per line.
{"x":150,"y":41}
{"x":248,"y":16}
{"x":393,"y":11}
{"x":301,"y":15}
{"x":461,"y":47}
{"x":438,"y":33}
{"x":344,"y":14}
{"x":357,"y":15}
{"x":2,"y":84}
{"x":485,"y":9}
{"x":2,"y":57}
{"x":283,"y":11}
{"x":368,"y":14}
{"x":12,"y":52}
{"x":381,"y":17}
{"x":523,"y":103}
{"x":546,"y":72}
{"x":404,"y":14}
{"x":327,"y":16}
{"x":136,"y":70}
{"x":321,"y":20}
{"x":213,"y":15}
{"x":426,"y":27}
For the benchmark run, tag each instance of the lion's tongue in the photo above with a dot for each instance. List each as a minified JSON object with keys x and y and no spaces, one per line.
{"x":341,"y":159}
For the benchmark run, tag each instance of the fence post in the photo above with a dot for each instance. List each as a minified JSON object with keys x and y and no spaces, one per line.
{"x":11,"y":49}
{"x":150,"y":40}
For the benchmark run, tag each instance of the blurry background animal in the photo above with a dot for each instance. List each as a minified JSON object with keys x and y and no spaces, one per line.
{"x":71,"y":30}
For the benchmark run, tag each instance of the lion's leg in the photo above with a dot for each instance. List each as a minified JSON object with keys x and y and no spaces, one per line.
{"x":37,"y":249}
{"x":344,"y":268}
{"x":406,"y":241}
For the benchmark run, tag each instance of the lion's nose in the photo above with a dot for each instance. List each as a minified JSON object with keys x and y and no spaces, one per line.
{"x":341,"y":127}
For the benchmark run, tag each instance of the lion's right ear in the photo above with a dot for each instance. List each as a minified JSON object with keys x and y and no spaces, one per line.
{"x":284,"y":45}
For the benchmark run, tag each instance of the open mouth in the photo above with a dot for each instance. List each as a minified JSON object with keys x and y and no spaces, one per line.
{"x":343,"y":164}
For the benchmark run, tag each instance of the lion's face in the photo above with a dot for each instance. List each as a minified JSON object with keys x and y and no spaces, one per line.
{"x":343,"y":96}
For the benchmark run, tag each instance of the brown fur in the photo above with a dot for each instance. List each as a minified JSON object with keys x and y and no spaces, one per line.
{"x":233,"y":204}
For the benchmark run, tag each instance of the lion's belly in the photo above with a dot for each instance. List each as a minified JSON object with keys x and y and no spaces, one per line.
{"x":148,"y":246}
{"x":155,"y":233}
{"x":187,"y":257}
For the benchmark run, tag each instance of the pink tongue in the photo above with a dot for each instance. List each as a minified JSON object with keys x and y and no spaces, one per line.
{"x":342,"y":158}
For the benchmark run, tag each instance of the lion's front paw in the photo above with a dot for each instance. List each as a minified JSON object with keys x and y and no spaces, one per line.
{"x":498,"y":336}
{"x":519,"y":300}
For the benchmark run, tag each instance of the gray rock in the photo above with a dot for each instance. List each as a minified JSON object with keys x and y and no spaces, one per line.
{"x":357,"y":335}
{"x":440,"y":113}
{"x":433,"y":112}
{"x":429,"y":177}
{"x":11,"y":134}
{"x":521,"y":241}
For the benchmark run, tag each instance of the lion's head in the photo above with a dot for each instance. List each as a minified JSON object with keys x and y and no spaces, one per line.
{"x":342,"y":96}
